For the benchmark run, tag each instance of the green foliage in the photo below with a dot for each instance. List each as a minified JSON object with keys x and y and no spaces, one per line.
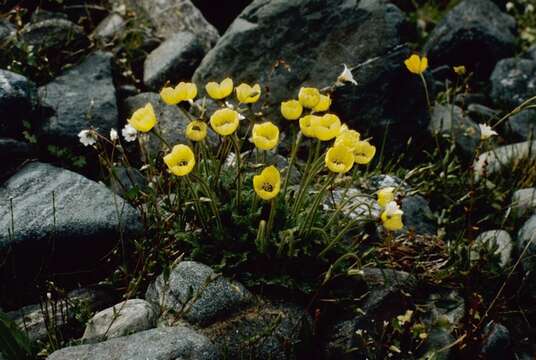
{"x":14,"y":344}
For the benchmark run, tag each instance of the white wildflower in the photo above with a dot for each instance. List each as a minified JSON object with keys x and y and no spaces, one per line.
{"x":87,"y":137}
{"x":345,"y":76}
{"x":529,"y":8}
{"x":129,"y":133}
{"x":392,"y":209}
{"x":114,"y":136}
{"x":509,"y":6}
{"x":486,"y":131}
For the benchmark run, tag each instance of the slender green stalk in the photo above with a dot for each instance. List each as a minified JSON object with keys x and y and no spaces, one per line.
{"x":291,"y":162}
{"x":306,"y":225}
{"x":426,"y":92}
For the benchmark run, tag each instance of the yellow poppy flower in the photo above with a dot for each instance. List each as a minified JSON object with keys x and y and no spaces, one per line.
{"x":348,"y":138}
{"x":392,"y":217}
{"x":221,"y":90}
{"x":265,"y":135}
{"x":248,"y":94}
{"x":323,"y":104}
{"x":183,"y":91}
{"x":460,"y":70}
{"x":385,"y":196}
{"x":309,"y":97}
{"x":196,"y":130}
{"x":268,"y":183}
{"x":339,"y":160}
{"x":143,"y":119}
{"x":327,"y":127}
{"x":307,"y":125}
{"x":291,"y":110}
{"x":364,"y":152}
{"x":170,"y":96}
{"x":180,"y":160}
{"x":416,"y":64}
{"x":224,"y":121}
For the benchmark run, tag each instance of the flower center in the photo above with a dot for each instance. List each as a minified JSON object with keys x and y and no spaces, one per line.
{"x":267,"y":187}
{"x":183,"y":163}
{"x":196,"y":128}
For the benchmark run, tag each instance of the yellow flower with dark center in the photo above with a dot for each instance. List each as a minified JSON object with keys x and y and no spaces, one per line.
{"x":196,"y":130}
{"x":364,"y":152}
{"x":265,"y":136}
{"x":392,"y":217}
{"x":268,"y":183}
{"x":291,"y":110}
{"x":180,"y":160}
{"x":416,"y":64}
{"x":309,"y":97}
{"x":221,"y":90}
{"x":385,"y":196}
{"x":224,"y":121}
{"x":460,"y":70}
{"x":183,"y":91}
{"x":143,"y":119}
{"x":348,"y":138}
{"x":307,"y":124}
{"x":327,"y":127}
{"x":248,"y":94}
{"x":339,"y":160}
{"x":323,"y":104}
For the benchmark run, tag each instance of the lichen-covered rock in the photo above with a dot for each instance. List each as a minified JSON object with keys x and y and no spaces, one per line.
{"x":83,"y":97}
{"x":497,"y":242}
{"x":523,"y":201}
{"x":53,"y":219}
{"x":476,"y":34}
{"x":12,"y":154}
{"x":174,"y":60}
{"x":512,"y":82}
{"x":497,"y":342}
{"x":262,"y":45}
{"x":123,"y":319}
{"x":195,"y":293}
{"x":18,"y":99}
{"x":504,"y":157}
{"x":171,"y":16}
{"x":171,"y":343}
{"x":417,"y":215}
{"x":109,"y":27}
{"x":449,"y":120}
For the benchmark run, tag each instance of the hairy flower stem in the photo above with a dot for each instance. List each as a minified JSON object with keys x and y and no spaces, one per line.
{"x":238,"y":161}
{"x":271,"y":217}
{"x":291,"y":161}
{"x":212,"y":197}
{"x":307,"y":178}
{"x":426,"y":92}
{"x":197,"y":205}
{"x":306,"y":225}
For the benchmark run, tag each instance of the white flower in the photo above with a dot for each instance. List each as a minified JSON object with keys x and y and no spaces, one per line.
{"x":87,"y":137}
{"x":129,"y":133}
{"x":345,"y":76}
{"x":392,"y":209}
{"x":241,"y":117}
{"x":486,"y":131}
{"x":529,"y":8}
{"x":114,"y":136}
{"x":509,"y":6}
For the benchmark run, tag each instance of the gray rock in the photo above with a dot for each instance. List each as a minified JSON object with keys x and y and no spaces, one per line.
{"x":265,"y":34}
{"x":531,"y":52}
{"x":171,"y":16}
{"x":445,"y":309}
{"x":438,"y":339}
{"x":476,"y":34}
{"x":497,"y":342}
{"x":497,"y":242}
{"x":523,"y":201}
{"x":7,"y":29}
{"x":504,"y":157}
{"x":174,"y":60}
{"x":512,"y":82}
{"x":56,"y":220}
{"x":195,"y":293}
{"x":109,"y":27}
{"x":522,"y":126}
{"x":54,"y":37}
{"x":35,"y":319}
{"x":466,"y":99}
{"x":353,"y":203}
{"x":526,"y":238}
{"x":81,"y":98}
{"x":123,"y":319}
{"x":482,"y":114}
{"x":12,"y":154}
{"x":378,"y":182}
{"x":18,"y":98}
{"x":42,"y":15}
{"x":265,"y":331}
{"x":125,"y":179}
{"x":449,"y":121}
{"x":417,"y":215}
{"x":170,"y":343}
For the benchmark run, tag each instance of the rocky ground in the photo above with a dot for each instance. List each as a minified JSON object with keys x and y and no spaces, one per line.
{"x":65,"y":66}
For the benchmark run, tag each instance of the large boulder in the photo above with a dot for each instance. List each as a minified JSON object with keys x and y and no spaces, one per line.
{"x":522,"y":126}
{"x":18,"y":98}
{"x":12,"y":154}
{"x":174,"y":60}
{"x":262,"y":45}
{"x":81,"y":98}
{"x":171,"y":343}
{"x":54,"y":220}
{"x":171,"y":16}
{"x":418,"y":216}
{"x":504,"y":157}
{"x":512,"y":82}
{"x":476,"y":34}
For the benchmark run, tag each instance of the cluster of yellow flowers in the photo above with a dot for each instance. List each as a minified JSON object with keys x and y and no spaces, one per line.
{"x":347,"y":149}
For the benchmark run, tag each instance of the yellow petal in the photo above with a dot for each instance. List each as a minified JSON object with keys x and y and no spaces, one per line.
{"x":224,"y":121}
{"x":196,"y":130}
{"x":268,"y":183}
{"x":143,"y":119}
{"x":248,"y":94}
{"x":291,"y":110}
{"x":385,"y":196}
{"x":323,"y":104}
{"x":393,"y":222}
{"x":265,"y":136}
{"x":307,"y":125}
{"x":309,"y":97}
{"x":339,"y":160}
{"x":181,"y":160}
